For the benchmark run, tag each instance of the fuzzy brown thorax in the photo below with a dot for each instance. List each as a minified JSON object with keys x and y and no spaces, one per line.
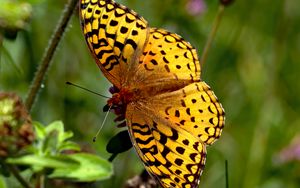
{"x":123,"y":97}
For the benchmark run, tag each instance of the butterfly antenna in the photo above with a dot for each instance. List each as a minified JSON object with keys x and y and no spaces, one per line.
{"x":95,"y":137}
{"x":214,"y":29}
{"x":78,"y":86}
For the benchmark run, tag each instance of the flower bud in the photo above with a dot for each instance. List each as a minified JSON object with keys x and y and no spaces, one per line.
{"x":16,"y":130}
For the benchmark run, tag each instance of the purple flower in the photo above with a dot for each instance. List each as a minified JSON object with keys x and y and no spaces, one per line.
{"x":195,"y":7}
{"x":291,"y":152}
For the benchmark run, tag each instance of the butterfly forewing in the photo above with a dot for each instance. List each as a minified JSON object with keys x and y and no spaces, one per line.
{"x":167,"y":59}
{"x":127,"y":52}
{"x":114,"y":34}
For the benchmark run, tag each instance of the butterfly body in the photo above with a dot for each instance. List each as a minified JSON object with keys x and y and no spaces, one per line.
{"x":123,"y":97}
{"x":171,"y":114}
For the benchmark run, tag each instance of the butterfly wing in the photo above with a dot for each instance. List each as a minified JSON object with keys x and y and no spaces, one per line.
{"x":131,"y":54}
{"x":175,"y":158}
{"x":167,"y":59}
{"x":114,"y":34}
{"x":175,"y":114}
{"x":170,"y":131}
{"x":194,"y":108}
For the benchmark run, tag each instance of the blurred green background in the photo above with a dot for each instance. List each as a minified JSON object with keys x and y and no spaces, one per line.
{"x":253,"y":68}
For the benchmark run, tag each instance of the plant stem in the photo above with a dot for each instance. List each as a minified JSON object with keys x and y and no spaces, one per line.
{"x":212,"y":34}
{"x":1,"y":41}
{"x":49,"y":52}
{"x":14,"y":170}
{"x":226,"y":174}
{"x":41,"y":180}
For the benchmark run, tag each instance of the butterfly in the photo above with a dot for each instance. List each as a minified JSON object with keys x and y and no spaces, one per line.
{"x":171,"y":114}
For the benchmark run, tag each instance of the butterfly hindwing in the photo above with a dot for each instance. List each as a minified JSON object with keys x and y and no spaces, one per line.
{"x":194,"y":108}
{"x":175,"y":158}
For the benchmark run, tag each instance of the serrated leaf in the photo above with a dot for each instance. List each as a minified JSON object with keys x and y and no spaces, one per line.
{"x":90,"y":168}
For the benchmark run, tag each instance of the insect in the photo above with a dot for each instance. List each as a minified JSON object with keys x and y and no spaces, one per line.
{"x":171,"y":114}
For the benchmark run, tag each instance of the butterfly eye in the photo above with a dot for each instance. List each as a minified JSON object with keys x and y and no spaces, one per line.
{"x":113,"y":89}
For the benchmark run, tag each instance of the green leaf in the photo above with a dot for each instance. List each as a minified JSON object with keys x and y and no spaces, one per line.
{"x":50,"y":144}
{"x":52,"y":140}
{"x":66,"y":135}
{"x":4,"y":171}
{"x":68,"y":145}
{"x":90,"y":168}
{"x":8,"y":57}
{"x":44,"y":161}
{"x":58,"y":127}
{"x":2,"y":182}
{"x":55,"y":126}
{"x":40,"y":131}
{"x":81,"y":167}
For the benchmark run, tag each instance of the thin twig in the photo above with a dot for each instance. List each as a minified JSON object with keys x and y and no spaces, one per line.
{"x":212,"y":34}
{"x":49,"y":52}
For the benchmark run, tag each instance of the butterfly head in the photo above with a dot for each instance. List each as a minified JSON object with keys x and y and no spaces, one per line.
{"x":120,"y":97}
{"x":118,"y":102}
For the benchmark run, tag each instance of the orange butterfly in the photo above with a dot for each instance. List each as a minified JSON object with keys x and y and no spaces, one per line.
{"x":170,"y":113}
